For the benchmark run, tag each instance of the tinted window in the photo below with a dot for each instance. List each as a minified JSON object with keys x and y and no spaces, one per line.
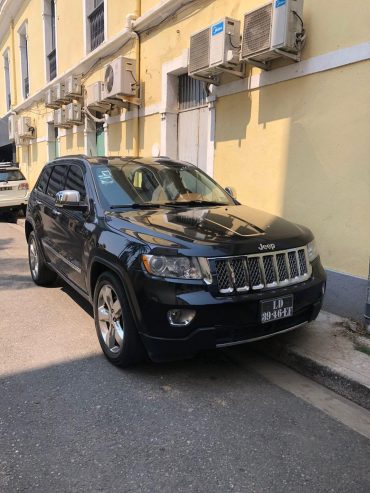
{"x":56,"y":181}
{"x":75,"y":181}
{"x":43,"y":180}
{"x":11,"y":175}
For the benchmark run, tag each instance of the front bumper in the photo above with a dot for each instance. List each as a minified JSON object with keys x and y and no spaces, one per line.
{"x":220,"y":321}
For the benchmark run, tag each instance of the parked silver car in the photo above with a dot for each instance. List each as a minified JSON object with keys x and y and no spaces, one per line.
{"x":14,"y":189}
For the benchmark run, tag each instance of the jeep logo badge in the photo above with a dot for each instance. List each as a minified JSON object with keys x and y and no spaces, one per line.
{"x":263,"y":248}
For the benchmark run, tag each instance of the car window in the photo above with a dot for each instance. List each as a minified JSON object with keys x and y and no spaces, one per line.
{"x":75,"y":181}
{"x":11,"y":175}
{"x":57,"y":180}
{"x":43,"y":180}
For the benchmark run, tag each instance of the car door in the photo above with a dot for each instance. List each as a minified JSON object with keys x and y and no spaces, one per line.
{"x":52,"y":235}
{"x":73,"y":228}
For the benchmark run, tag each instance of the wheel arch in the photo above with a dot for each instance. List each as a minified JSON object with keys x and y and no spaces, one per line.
{"x":28,"y":228}
{"x":100,"y":265}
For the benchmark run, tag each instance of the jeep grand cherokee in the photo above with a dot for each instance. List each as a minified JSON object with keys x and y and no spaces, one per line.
{"x":171,"y":263}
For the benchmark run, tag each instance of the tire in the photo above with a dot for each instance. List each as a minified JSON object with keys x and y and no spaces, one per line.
{"x":115,"y":326}
{"x":41,"y":274}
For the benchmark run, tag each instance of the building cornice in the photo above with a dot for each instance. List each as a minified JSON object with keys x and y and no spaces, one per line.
{"x":8,"y":10}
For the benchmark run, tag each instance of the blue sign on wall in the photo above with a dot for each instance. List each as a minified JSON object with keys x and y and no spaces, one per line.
{"x":280,"y":3}
{"x":217,"y":28}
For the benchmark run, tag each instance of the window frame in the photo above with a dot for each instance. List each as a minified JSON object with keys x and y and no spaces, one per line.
{"x":50,"y":38}
{"x":24,"y":59}
{"x":7,"y":79}
{"x":89,"y":7}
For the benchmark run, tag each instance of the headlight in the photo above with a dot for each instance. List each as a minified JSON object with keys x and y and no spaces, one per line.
{"x":312,"y":251}
{"x":177,"y":267}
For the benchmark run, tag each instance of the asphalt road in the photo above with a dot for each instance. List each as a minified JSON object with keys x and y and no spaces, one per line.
{"x":225,"y":421}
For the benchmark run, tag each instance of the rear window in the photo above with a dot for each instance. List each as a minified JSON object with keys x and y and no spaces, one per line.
{"x":11,"y":175}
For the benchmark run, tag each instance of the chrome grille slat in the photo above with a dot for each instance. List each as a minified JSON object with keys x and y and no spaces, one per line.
{"x":261,"y":271}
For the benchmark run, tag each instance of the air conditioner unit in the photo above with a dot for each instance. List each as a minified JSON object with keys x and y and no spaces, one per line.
{"x":21,"y":141}
{"x":119,"y":79}
{"x":12,"y":126}
{"x":50,"y":99}
{"x":25,"y":128}
{"x":215,"y":49}
{"x":273,"y":30}
{"x":73,"y":114}
{"x":60,"y":95}
{"x":73,"y":88}
{"x":94,"y":98}
{"x":60,"y":119}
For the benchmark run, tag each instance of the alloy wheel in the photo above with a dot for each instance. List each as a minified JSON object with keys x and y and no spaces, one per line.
{"x":34,"y":258}
{"x":110,"y":319}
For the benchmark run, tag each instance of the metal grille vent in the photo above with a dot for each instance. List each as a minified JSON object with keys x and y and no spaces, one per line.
{"x":199,"y":51}
{"x":257,"y":31}
{"x":262,"y":271}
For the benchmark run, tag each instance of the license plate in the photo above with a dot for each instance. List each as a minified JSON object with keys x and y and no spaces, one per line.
{"x":5,"y":188}
{"x":276,"y":309}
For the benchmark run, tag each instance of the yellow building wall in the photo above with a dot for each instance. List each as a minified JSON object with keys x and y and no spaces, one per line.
{"x":70,"y":36}
{"x":304,"y":153}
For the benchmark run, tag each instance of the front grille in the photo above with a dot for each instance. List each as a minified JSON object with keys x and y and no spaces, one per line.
{"x":261,"y":271}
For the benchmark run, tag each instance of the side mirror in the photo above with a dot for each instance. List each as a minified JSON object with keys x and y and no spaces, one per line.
{"x":70,"y":199}
{"x":231,"y":191}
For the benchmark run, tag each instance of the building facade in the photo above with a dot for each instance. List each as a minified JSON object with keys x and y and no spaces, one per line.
{"x":293,"y":140}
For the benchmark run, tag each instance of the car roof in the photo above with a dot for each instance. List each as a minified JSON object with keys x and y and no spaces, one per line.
{"x":119,"y":160}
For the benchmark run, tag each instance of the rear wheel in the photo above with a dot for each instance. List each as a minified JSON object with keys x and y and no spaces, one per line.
{"x":40,"y":272}
{"x":115,"y":327}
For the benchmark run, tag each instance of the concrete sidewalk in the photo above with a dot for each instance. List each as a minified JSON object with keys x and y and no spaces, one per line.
{"x":330,"y":353}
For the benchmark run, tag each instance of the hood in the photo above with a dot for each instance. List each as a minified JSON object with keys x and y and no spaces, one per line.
{"x":235,"y":227}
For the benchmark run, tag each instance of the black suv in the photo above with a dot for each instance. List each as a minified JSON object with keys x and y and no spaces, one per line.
{"x":171,"y":262}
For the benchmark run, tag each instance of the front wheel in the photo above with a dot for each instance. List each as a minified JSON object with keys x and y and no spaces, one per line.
{"x":115,"y":327}
{"x":40,"y":272}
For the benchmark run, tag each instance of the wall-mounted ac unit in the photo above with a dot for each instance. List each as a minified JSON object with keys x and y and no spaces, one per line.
{"x":12,"y":127}
{"x":72,"y":86}
{"x":25,"y":128}
{"x":21,"y":141}
{"x":50,"y":99}
{"x":272,"y":31}
{"x":94,"y":98}
{"x":119,"y":79}
{"x":214,"y":50}
{"x":60,"y":119}
{"x":73,"y":114}
{"x":60,"y":95}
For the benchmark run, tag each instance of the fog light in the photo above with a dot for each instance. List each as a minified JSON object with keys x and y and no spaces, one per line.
{"x":179,"y":317}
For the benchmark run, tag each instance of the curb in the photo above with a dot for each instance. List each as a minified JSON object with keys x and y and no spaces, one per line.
{"x":320,"y":373}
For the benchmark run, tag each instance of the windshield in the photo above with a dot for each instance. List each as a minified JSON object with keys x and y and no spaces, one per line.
{"x":11,"y":175}
{"x":157,"y":184}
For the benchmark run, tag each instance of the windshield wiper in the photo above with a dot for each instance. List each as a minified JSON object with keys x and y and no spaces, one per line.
{"x":144,"y":205}
{"x":196,"y":202}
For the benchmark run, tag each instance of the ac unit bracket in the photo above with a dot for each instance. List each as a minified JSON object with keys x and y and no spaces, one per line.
{"x":237,"y":73}
{"x":292,"y":56}
{"x":126,"y":100}
{"x":215,"y":80}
